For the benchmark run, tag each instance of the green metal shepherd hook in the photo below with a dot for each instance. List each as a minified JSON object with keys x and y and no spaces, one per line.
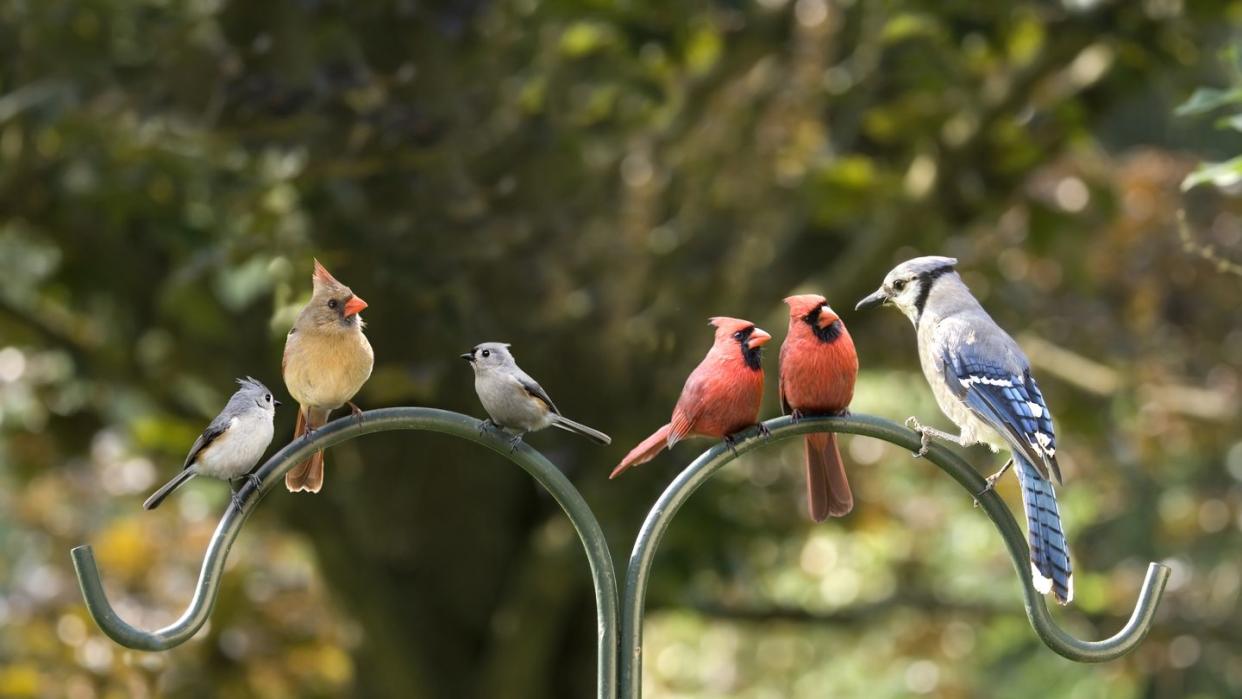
{"x":271,"y":474}
{"x":627,"y":655}
{"x":714,"y":459}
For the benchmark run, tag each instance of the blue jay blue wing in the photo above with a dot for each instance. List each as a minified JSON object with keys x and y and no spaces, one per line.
{"x":1010,"y":402}
{"x":217,"y":427}
{"x":532,"y":387}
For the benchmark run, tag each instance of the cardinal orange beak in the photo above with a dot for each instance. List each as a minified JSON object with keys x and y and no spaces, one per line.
{"x":757,"y":339}
{"x":827,"y":317}
{"x":354,"y":305}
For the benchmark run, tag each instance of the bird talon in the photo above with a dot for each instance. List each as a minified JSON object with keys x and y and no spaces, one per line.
{"x":795,"y":415}
{"x":731,"y":441}
{"x":924,"y":438}
{"x":254,"y":480}
{"x":764,"y":431}
{"x":355,"y":411}
{"x":514,"y":442}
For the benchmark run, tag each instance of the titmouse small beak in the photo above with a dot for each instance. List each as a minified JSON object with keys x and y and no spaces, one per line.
{"x":354,"y":306}
{"x":275,"y":402}
{"x":468,"y":356}
{"x":757,"y":339}
{"x":873,"y":300}
{"x":827,"y":317}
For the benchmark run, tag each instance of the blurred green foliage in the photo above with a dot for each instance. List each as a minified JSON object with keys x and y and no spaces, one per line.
{"x":590,"y":181}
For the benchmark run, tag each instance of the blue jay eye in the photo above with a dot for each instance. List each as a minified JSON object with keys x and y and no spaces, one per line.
{"x":332,"y":303}
{"x":487,"y":353}
{"x":899,"y":285}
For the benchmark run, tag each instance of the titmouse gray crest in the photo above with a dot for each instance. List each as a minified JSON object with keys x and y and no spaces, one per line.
{"x":513,"y":400}
{"x":232,"y":444}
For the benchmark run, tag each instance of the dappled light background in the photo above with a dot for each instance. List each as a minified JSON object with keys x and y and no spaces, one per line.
{"x":591,"y":181}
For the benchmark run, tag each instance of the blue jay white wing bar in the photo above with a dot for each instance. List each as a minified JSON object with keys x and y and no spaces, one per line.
{"x":662,"y":514}
{"x":272,"y":473}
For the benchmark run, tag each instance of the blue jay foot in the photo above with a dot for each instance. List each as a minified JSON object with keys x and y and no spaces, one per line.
{"x":355,"y":411}
{"x":486,"y":425}
{"x":236,"y":500}
{"x":926,"y":434}
{"x":991,"y":481}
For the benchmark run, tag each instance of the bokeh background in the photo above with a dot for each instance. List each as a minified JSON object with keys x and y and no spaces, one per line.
{"x":590,"y":181}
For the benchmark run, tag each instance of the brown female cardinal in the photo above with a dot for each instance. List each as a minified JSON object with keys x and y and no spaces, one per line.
{"x":327,"y":359}
{"x":721,"y":397}
{"x":818,"y":369}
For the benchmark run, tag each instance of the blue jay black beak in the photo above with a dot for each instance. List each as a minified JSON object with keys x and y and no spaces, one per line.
{"x":875,"y":299}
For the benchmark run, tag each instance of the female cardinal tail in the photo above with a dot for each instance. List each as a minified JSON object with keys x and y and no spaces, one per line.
{"x":645,"y":451}
{"x":308,"y":475}
{"x":828,"y":490}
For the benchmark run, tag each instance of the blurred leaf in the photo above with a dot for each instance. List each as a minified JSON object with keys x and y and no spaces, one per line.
{"x":1224,"y":174}
{"x":1206,"y":99}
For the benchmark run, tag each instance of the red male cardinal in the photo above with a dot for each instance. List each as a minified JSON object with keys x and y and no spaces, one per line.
{"x":818,"y":369}
{"x":721,"y":397}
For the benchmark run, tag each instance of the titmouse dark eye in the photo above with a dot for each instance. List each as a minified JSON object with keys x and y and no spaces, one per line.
{"x":487,"y":353}
{"x":268,"y":398}
{"x":899,"y":285}
{"x":332,"y":303}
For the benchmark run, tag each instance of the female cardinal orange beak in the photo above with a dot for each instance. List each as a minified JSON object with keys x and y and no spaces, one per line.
{"x":757,"y":339}
{"x":354,"y":305}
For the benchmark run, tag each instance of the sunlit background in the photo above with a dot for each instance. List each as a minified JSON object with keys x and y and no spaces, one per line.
{"x":591,"y":181}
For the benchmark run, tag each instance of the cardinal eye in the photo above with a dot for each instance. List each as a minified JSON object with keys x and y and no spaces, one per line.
{"x":332,"y":303}
{"x":487,"y":353}
{"x":899,"y":285}
{"x":739,"y":335}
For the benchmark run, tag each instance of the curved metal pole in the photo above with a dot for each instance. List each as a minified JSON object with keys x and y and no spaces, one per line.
{"x":272,"y":473}
{"x":661,"y":515}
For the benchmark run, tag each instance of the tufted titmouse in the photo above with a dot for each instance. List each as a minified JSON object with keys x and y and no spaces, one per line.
{"x":327,"y":359}
{"x":232,"y":444}
{"x":513,"y":400}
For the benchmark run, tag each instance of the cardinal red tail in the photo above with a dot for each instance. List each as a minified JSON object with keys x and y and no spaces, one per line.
{"x":645,"y":451}
{"x":308,"y":475}
{"x":828,"y":490}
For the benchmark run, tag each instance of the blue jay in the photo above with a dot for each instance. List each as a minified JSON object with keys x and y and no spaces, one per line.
{"x":982,"y":381}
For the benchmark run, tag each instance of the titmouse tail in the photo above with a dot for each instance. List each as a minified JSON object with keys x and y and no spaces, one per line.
{"x":158,"y":496}
{"x":578,"y":428}
{"x":645,"y":451}
{"x":827,"y":488}
{"x":308,"y":475}
{"x":1050,"y":564}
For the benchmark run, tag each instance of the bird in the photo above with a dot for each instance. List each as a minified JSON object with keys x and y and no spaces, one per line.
{"x":514,"y":401}
{"x":721,"y":396}
{"x":818,"y":369}
{"x":232,"y":443}
{"x":327,"y":359}
{"x":982,"y":381}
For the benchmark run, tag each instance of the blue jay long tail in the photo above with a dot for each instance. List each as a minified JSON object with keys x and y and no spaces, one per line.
{"x":1050,"y":564}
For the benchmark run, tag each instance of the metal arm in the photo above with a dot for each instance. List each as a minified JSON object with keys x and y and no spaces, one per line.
{"x":272,"y":473}
{"x":711,"y":461}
